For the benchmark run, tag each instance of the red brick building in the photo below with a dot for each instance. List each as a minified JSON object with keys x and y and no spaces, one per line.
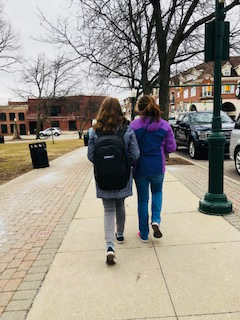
{"x":14,"y":113}
{"x":195,"y":86}
{"x":69,"y":114}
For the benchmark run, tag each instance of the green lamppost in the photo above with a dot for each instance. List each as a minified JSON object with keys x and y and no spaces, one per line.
{"x":215,"y":201}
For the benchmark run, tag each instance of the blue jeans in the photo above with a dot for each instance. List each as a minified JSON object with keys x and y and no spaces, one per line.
{"x":143,"y":183}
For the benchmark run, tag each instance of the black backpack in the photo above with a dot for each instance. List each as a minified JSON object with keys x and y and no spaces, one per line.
{"x":111,"y":161}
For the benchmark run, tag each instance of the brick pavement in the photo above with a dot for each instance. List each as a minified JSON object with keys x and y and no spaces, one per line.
{"x":36,"y":210}
{"x":195,"y":178}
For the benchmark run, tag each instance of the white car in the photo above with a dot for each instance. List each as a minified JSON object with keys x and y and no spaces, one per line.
{"x":49,"y":131}
{"x":234,"y":150}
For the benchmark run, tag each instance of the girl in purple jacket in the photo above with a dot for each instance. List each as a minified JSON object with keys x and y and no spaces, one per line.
{"x":155,"y":139}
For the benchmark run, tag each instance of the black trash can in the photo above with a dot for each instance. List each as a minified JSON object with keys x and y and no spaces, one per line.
{"x":1,"y":139}
{"x":39,"y":155}
{"x":85,"y":138}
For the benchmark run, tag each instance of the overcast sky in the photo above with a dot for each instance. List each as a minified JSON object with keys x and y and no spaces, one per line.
{"x":23,"y":16}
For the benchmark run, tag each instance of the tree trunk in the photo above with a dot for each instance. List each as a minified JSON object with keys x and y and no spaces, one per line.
{"x":164,"y":78}
{"x":164,"y":71}
{"x":38,"y":126}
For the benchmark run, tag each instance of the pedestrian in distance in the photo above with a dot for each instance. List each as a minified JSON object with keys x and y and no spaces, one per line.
{"x":113,"y":150}
{"x":90,"y":130}
{"x":155,"y":139}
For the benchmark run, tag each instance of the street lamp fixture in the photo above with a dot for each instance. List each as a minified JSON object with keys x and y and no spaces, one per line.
{"x":15,"y":130}
{"x":133,"y":102}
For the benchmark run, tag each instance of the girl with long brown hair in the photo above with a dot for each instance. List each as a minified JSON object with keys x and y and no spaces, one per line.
{"x":110,"y":120}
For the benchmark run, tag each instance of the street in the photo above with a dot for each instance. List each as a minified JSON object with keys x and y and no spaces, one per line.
{"x":229,"y":166}
{"x":32,"y":137}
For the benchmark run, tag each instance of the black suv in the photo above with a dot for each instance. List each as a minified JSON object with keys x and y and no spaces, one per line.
{"x":193,"y":128}
{"x":234,"y":149}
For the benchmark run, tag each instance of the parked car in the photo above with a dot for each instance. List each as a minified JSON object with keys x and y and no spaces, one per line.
{"x":172,"y":121}
{"x":193,"y":128}
{"x":49,"y":131}
{"x":234,"y":150}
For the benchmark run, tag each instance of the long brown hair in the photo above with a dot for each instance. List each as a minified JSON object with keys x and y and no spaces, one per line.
{"x":110,"y":117}
{"x":148,"y":108}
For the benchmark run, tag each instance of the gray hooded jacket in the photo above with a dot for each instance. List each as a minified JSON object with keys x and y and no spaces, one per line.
{"x":133,"y":152}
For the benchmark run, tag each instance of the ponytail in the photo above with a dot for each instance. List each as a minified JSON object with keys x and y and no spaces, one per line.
{"x":148,"y":108}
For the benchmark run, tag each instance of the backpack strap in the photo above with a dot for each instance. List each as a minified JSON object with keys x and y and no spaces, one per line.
{"x":120,"y":133}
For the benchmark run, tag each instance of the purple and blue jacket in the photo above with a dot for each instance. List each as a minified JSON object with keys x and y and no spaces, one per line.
{"x":155,"y":139}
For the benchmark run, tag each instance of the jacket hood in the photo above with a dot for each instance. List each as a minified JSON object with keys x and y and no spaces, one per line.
{"x":150,"y":125}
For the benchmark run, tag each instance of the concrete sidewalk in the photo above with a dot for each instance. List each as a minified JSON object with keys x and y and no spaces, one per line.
{"x":193,"y":272}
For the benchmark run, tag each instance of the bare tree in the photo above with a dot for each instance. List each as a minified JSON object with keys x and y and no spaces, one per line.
{"x":88,"y":112}
{"x":47,"y":80}
{"x":179,"y":30}
{"x":137,"y":41}
{"x":9,"y":43}
{"x":81,"y":107}
{"x":114,"y":37}
{"x":72,"y":105}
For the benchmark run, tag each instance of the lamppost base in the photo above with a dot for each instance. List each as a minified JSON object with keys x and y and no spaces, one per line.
{"x":16,"y":137}
{"x":215,"y":204}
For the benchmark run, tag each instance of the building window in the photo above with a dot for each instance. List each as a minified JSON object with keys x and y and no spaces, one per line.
{"x":207,"y":90}
{"x":72,"y":125}
{"x":4,"y":128}
{"x":228,"y":88}
{"x":12,"y":127}
{"x":11,"y":116}
{"x":22,"y":129}
{"x":185,"y":93}
{"x":193,"y":92}
{"x":55,"y":111}
{"x":2,"y":116}
{"x":21,"y":116}
{"x":172,"y":98}
{"x":55,"y":124}
{"x":226,"y":72}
